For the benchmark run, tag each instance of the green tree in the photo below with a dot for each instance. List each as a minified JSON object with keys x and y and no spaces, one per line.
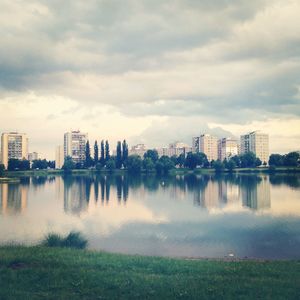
{"x":164,"y":165}
{"x":276,"y":160}
{"x":152,"y":154}
{"x":88,"y":158}
{"x":119,"y":155}
{"x":107,"y":154}
{"x":148,"y":165}
{"x":96,"y":153}
{"x":218,"y":166}
{"x":2,"y":168}
{"x":258,"y":162}
{"x":291,"y":159}
{"x":195,"y":159}
{"x":68,"y":164}
{"x":248,"y":160}
{"x":134,"y":164}
{"x":39,"y":164}
{"x":18,"y":164}
{"x":230,"y":165}
{"x":102,"y":154}
{"x":110,"y":165}
{"x":180,"y":160}
{"x":124,"y":152}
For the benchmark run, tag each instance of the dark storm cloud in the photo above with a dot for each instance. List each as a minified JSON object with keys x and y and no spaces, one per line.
{"x":170,"y":58}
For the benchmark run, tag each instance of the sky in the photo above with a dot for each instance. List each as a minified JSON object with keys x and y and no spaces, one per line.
{"x":150,"y":71}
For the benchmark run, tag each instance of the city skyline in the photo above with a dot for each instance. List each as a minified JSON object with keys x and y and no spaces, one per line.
{"x":150,"y":72}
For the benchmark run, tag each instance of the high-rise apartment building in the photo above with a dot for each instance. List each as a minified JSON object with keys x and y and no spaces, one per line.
{"x":256,"y":142}
{"x":196,"y":144}
{"x":208,"y":145}
{"x":74,"y":145}
{"x":13,"y":145}
{"x":227,"y":147}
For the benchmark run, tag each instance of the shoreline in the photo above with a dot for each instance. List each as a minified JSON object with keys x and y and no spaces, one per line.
{"x":8,"y":175}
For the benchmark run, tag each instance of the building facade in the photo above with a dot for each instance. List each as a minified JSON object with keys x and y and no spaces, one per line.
{"x":227,"y":147}
{"x":139,"y":149}
{"x":208,"y":145}
{"x":256,"y":142}
{"x":74,"y":145}
{"x":33,"y":156}
{"x":13,"y":145}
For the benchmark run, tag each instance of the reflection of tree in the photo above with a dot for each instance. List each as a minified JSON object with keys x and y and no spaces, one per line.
{"x":13,"y":198}
{"x":292,"y":180}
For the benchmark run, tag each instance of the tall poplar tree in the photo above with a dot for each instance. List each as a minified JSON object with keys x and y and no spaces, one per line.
{"x":124,"y":152}
{"x":102,"y":157}
{"x":96,"y":153}
{"x":88,"y":159}
{"x":119,"y":156}
{"x":107,"y":155}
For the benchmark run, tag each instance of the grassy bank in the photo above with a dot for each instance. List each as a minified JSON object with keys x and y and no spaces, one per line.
{"x":55,"y":273}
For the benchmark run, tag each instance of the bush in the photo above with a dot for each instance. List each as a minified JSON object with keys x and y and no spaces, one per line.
{"x":72,"y":240}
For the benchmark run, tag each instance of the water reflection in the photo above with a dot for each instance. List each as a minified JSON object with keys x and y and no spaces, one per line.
{"x":13,"y":198}
{"x":208,"y":192}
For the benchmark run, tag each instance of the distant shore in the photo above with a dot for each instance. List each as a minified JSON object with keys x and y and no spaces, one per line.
{"x":8,"y":175}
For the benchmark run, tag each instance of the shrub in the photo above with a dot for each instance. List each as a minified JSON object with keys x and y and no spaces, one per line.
{"x":52,"y":240}
{"x":72,"y":240}
{"x":75,"y":240}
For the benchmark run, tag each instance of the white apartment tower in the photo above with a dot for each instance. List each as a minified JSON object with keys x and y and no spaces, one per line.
{"x":208,"y":145}
{"x":74,"y":145}
{"x":13,"y":145}
{"x":227,"y":147}
{"x":256,"y":142}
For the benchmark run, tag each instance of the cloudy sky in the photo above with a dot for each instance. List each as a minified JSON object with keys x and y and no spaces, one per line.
{"x":150,"y":71}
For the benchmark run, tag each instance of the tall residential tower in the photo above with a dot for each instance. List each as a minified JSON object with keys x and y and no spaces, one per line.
{"x":13,"y":145}
{"x":258,"y":143}
{"x":74,"y":145}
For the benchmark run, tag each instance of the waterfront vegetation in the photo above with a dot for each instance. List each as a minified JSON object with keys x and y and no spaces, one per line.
{"x":64,"y":273}
{"x":152,"y":163}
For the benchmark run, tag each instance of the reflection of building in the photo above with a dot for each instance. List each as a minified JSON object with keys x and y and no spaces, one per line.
{"x":206,"y":144}
{"x":257,"y":195}
{"x":210,"y":196}
{"x":74,"y":145}
{"x":13,"y":145}
{"x":227,"y":147}
{"x":59,"y":157}
{"x":257,"y":143}
{"x":13,"y":198}
{"x":75,"y":196}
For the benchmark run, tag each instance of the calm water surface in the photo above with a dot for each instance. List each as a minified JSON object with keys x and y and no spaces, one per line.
{"x":255,"y":216}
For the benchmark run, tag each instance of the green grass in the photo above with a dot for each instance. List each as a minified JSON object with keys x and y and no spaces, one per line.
{"x":62,"y":273}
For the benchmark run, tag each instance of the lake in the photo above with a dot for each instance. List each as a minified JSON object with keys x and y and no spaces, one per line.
{"x":213,"y":216}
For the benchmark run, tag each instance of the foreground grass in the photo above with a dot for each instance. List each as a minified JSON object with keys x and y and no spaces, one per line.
{"x":60,"y":273}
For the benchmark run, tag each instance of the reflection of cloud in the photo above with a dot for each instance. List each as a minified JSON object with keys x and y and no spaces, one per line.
{"x":112,"y":217}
